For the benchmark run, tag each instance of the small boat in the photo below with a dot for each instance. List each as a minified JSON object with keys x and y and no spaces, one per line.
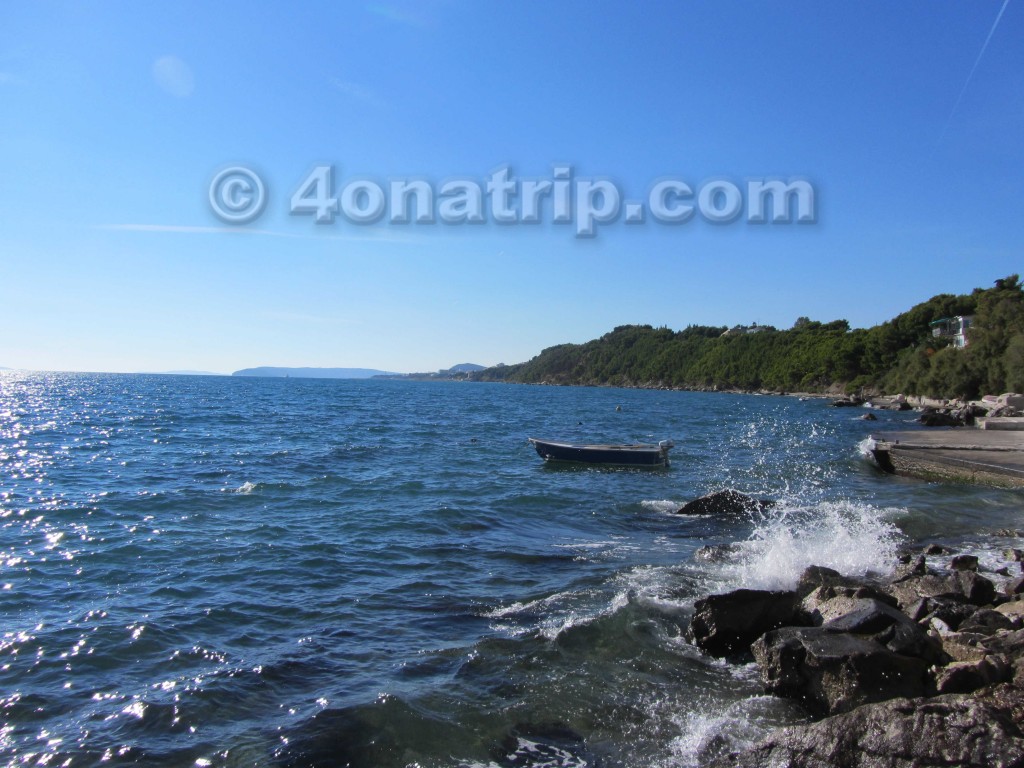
{"x":625,"y":455}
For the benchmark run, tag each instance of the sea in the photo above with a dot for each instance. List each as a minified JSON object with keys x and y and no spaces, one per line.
{"x":224,"y":571}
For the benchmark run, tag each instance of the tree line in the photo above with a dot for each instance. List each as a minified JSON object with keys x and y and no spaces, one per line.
{"x":901,"y":355}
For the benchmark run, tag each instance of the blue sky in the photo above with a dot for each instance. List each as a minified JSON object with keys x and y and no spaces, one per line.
{"x":115,"y":118}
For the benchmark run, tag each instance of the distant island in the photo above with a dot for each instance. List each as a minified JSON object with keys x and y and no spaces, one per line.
{"x":313,"y":373}
{"x":460,"y":372}
{"x":950,"y":346}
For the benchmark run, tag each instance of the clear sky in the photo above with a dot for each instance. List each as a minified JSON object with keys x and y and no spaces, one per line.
{"x":115,"y":117}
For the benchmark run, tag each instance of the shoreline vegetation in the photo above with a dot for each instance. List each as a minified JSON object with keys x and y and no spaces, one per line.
{"x":914,"y":352}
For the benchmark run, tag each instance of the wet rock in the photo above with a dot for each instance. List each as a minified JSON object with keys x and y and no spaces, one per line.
{"x":1013,"y":610}
{"x":950,"y":730}
{"x":969,"y":676}
{"x":936,"y":549}
{"x":941,"y":417}
{"x":976,"y":589}
{"x":913,"y":567}
{"x":961,"y":586}
{"x":727,"y":502}
{"x":964,"y":563}
{"x":717,"y":553}
{"x":1015,"y":555}
{"x":847,"y":402}
{"x":832,"y":672}
{"x":725,"y":625}
{"x":950,"y":612}
{"x":1014,"y":586}
{"x":986,"y":621}
{"x":964,"y":646}
{"x":869,"y":417}
{"x":889,"y":627}
{"x":816,"y":576}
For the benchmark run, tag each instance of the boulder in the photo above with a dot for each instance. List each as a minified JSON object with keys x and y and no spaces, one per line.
{"x":977,"y":590}
{"x":831,"y":672}
{"x":726,"y":502}
{"x":952,"y":613}
{"x":986,"y":621}
{"x":872,"y":619}
{"x":1014,"y":610}
{"x":950,"y":730}
{"x":815,"y":576}
{"x":1014,"y":586}
{"x":932,"y":417}
{"x":969,"y":676}
{"x":964,"y":563}
{"x":960,"y":586}
{"x":725,"y":625}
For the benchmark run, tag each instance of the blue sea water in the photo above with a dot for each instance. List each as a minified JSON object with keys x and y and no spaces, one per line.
{"x":215,"y":571}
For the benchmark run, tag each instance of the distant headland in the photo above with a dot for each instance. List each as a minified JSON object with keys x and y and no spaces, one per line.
{"x":313,"y":373}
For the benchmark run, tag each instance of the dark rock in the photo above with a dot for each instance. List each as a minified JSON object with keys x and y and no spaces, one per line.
{"x":1015,"y":555}
{"x":1009,"y":533}
{"x":986,"y":621}
{"x":976,"y":589}
{"x":969,"y":676}
{"x":979,"y":731}
{"x":869,"y":417}
{"x":908,"y":591}
{"x":727,"y":502}
{"x":888,"y":627}
{"x":717,"y":553}
{"x":936,"y":549}
{"x":914,"y":567}
{"x":1014,"y":586}
{"x":832,"y":672}
{"x":964,"y":563}
{"x":819,"y":576}
{"x":964,"y":646}
{"x":952,"y":613}
{"x":932,"y":417}
{"x":961,"y":586}
{"x":724,"y":625}
{"x":847,"y":402}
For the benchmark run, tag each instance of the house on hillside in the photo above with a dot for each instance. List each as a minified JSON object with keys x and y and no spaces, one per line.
{"x":738,"y":330}
{"x":954,"y":328}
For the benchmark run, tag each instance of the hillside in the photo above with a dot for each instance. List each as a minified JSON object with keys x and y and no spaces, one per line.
{"x":900,"y":355}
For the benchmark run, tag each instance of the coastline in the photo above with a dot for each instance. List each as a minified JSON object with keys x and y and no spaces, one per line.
{"x":921,"y":666}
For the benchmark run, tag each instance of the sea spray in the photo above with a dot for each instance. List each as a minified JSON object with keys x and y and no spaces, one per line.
{"x":854,"y":538}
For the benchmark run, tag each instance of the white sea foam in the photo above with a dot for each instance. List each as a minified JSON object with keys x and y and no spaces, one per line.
{"x":661,"y":505}
{"x":246,"y":487}
{"x":717,"y":728}
{"x":854,"y":538}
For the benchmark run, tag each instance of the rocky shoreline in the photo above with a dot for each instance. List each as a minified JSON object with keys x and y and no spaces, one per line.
{"x":921,"y":667}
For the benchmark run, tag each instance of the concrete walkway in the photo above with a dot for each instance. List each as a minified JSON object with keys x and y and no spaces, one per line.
{"x":990,"y":457}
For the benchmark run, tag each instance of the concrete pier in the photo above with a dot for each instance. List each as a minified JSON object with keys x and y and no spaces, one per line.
{"x":988,"y":457}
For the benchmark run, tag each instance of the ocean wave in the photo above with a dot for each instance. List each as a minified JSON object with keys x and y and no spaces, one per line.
{"x":854,"y":538}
